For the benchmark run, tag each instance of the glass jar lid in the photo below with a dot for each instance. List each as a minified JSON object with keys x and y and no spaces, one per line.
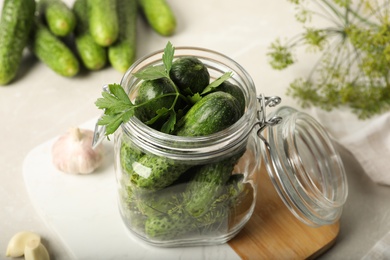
{"x":304,"y":166}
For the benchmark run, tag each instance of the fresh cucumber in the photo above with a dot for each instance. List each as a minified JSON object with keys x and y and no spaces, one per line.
{"x":15,"y":25}
{"x":216,"y":218}
{"x":92,"y":55}
{"x":168,"y":227}
{"x":190,"y":75}
{"x":103,"y":21}
{"x":159,"y":15}
{"x":165,"y":201}
{"x":206,"y":186}
{"x":53,"y":52}
{"x":157,"y":93}
{"x":59,"y":17}
{"x":235,"y":91}
{"x":153,"y":172}
{"x":129,"y":155}
{"x":123,"y":52}
{"x":212,"y":113}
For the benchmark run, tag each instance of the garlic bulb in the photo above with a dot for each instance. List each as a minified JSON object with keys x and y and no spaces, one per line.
{"x":73,"y":152}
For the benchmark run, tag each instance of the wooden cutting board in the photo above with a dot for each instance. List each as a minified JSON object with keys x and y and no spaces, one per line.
{"x":273,"y":232}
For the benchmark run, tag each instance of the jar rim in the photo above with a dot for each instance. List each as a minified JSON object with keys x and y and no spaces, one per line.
{"x":305,"y":167}
{"x":197,"y":147}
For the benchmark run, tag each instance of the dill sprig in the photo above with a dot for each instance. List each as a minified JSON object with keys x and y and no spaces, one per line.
{"x":354,"y":65}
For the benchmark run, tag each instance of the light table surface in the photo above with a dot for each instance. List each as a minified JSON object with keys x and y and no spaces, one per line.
{"x":41,"y":105}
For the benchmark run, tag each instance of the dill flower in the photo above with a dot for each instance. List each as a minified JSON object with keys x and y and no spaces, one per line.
{"x":354,"y":65}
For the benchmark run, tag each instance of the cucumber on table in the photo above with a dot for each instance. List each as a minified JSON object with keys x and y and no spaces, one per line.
{"x":53,"y":52}
{"x":16,"y":20}
{"x":103,"y":21}
{"x":123,"y":52}
{"x":159,"y":15}
{"x":92,"y":55}
{"x":59,"y":17}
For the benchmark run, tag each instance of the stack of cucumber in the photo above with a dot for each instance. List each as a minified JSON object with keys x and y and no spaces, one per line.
{"x":164,"y":199}
{"x":91,"y":33}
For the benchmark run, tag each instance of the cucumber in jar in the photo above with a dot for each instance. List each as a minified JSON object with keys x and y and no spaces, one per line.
{"x":190,"y":75}
{"x":152,"y":172}
{"x":154,"y":95}
{"x":180,"y":224}
{"x":212,"y":113}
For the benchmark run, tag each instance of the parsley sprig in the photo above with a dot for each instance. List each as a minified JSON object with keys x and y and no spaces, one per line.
{"x":354,"y":65}
{"x":118,"y":107}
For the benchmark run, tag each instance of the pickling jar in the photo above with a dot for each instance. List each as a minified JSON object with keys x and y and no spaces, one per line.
{"x":163,"y":203}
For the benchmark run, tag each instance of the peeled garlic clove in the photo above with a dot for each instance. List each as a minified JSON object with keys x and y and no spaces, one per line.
{"x":19,"y":241}
{"x":34,"y":250}
{"x":73,"y":152}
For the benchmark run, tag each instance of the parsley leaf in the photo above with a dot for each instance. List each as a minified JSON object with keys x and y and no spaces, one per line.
{"x":169,"y":125}
{"x":117,"y":108}
{"x":194,"y":98}
{"x":159,"y":71}
{"x":151,"y":73}
{"x":216,"y":83}
{"x":117,"y":105}
{"x":168,"y":57}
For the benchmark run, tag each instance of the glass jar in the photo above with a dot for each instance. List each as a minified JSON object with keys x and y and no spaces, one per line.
{"x":186,"y":191}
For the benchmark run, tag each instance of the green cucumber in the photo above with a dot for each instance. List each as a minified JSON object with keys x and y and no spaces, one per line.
{"x":159,"y":15}
{"x":103,"y":21}
{"x":206,"y":186}
{"x":15,"y":25}
{"x":165,"y":201}
{"x":158,"y":93}
{"x":168,"y":227}
{"x":59,"y":17}
{"x":53,"y":52}
{"x":235,"y":91}
{"x":123,"y":52}
{"x":153,"y":172}
{"x":190,"y":75}
{"x":128,"y":155}
{"x":92,"y":55}
{"x":216,"y":217}
{"x":212,"y":113}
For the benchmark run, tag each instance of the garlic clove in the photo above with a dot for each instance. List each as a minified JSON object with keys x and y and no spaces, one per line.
{"x":34,"y":250}
{"x":18,"y":242}
{"x":73,"y":152}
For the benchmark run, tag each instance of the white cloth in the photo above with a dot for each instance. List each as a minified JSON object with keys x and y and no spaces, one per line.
{"x":368,"y":140}
{"x":381,"y":250}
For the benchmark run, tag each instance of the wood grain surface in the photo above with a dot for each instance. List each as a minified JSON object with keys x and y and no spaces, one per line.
{"x":274,"y":233}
